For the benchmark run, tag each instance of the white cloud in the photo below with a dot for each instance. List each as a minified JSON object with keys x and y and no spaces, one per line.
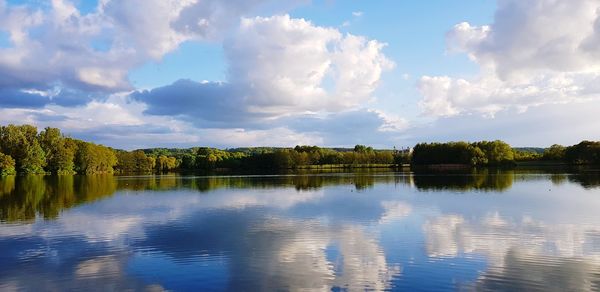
{"x":58,"y":45}
{"x":495,"y":237}
{"x":68,"y":69}
{"x":278,"y":66}
{"x":536,"y":52}
{"x":394,"y":210}
{"x":287,"y":65}
{"x":282,"y":70}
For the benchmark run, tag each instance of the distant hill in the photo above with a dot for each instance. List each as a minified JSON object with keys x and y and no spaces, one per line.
{"x":537,"y":150}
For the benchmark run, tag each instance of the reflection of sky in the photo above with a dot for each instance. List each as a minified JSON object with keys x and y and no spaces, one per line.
{"x":385,"y":236}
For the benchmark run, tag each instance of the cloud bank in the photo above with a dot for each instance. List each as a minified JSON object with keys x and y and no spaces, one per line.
{"x":278,"y":66}
{"x":290,"y":81}
{"x":534,"y":53}
{"x":59,"y":61}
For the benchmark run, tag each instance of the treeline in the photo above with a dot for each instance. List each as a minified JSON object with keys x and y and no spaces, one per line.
{"x":478,"y":153}
{"x":499,"y":153}
{"x":25,"y":151}
{"x":586,"y":152}
{"x":205,"y":159}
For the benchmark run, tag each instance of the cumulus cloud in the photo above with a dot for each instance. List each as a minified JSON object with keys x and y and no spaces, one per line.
{"x":285,"y":74}
{"x":280,"y":66}
{"x":58,"y":46}
{"x":68,"y":69}
{"x":535,"y":52}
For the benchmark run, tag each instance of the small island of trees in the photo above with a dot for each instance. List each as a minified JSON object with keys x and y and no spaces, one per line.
{"x":24,"y":150}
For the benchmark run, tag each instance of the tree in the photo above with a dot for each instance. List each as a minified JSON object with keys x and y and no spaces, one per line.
{"x":477,"y":156}
{"x":497,"y":152}
{"x":362,"y":148}
{"x":60,"y":153}
{"x":586,"y":152}
{"x":282,"y":159}
{"x":479,"y":153}
{"x":20,"y":142}
{"x":164,"y":163}
{"x":135,"y":162}
{"x":91,"y":158}
{"x":555,"y":152}
{"x":7,"y":165}
{"x":188,"y":161}
{"x":34,"y":159}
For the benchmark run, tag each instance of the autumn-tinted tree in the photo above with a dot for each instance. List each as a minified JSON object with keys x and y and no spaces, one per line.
{"x":164,"y":163}
{"x":91,"y":158}
{"x":135,"y":162}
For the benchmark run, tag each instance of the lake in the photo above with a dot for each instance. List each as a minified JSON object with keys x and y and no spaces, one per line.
{"x":476,"y":230}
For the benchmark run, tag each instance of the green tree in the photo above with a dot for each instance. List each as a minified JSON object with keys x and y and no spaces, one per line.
{"x":555,"y":152}
{"x":497,"y":152}
{"x":20,"y":142}
{"x":60,"y":152}
{"x":188,"y":161}
{"x":7,"y":165}
{"x":34,"y":159}
{"x":362,"y":148}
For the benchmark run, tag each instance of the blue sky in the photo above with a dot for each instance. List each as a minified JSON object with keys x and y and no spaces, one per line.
{"x":333,"y":73}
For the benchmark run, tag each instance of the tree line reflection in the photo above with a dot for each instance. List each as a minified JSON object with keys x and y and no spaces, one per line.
{"x":23,"y":198}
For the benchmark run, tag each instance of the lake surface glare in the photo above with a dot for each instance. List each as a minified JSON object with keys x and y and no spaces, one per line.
{"x":486,"y":230}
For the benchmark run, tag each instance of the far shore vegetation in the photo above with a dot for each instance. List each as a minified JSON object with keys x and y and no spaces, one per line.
{"x":24,"y":150}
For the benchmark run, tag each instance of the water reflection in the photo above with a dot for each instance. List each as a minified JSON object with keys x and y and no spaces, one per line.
{"x":376,"y":231}
{"x":24,"y":197}
{"x":481,"y":180}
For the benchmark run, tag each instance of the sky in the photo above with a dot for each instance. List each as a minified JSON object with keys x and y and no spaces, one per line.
{"x":159,"y":73}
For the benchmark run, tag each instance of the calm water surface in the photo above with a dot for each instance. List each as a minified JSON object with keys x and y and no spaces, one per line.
{"x":482,"y":230}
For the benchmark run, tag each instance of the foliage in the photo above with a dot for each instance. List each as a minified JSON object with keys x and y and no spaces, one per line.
{"x":362,"y":148}
{"x":524,"y":155}
{"x":7,"y":165}
{"x":23,"y":150}
{"x":60,"y":151}
{"x":91,"y":158}
{"x":496,"y":152}
{"x":21,"y":143}
{"x":586,"y":152}
{"x":535,"y":150}
{"x":478,"y":153}
{"x":164,"y":163}
{"x":135,"y":162}
{"x":555,"y":152}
